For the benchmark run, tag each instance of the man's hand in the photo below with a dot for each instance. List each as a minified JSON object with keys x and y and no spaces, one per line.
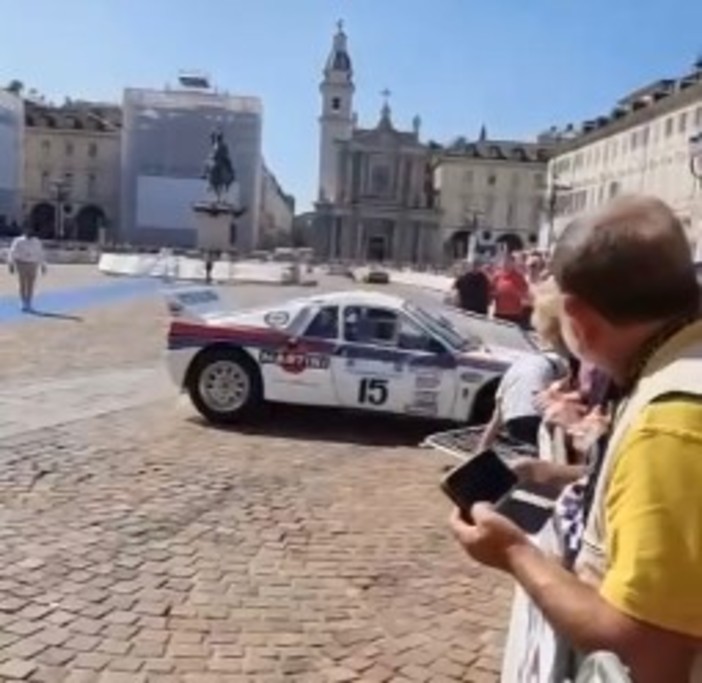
{"x":491,"y":539}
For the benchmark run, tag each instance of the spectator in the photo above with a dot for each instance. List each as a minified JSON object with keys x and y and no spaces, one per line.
{"x":472,"y":287}
{"x":510,"y":292}
{"x":26,"y":257}
{"x":516,"y":408}
{"x":637,"y":592}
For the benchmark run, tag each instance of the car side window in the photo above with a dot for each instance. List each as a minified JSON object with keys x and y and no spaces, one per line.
{"x":324,"y":325}
{"x":411,"y":337}
{"x":376,"y":326}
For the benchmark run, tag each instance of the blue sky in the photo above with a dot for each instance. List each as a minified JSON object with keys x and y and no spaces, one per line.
{"x":517,"y":65}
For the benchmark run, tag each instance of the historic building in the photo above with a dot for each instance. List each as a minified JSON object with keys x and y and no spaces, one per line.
{"x":71,"y":156}
{"x":643,"y":145}
{"x":276,"y":212}
{"x":165,"y":142}
{"x":491,"y":193}
{"x":11,"y":163}
{"x":376,"y":199}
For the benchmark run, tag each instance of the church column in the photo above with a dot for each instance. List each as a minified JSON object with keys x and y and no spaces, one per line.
{"x":359,"y":255}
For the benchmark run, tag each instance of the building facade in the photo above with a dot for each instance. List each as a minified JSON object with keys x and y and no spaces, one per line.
{"x":491,"y":193}
{"x":275,"y":214}
{"x":376,"y":198}
{"x":165,"y":142}
{"x":641,"y":146}
{"x":71,"y":169}
{"x":11,"y":158}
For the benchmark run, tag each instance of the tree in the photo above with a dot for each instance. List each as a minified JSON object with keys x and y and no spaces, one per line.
{"x":15,"y":87}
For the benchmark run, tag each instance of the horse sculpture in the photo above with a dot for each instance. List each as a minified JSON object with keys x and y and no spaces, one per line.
{"x":219,"y":170}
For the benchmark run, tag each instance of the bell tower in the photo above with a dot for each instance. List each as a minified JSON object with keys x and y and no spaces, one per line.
{"x":336,"y":121}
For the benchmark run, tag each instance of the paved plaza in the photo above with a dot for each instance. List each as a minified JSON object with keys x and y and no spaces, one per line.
{"x":138,"y":544}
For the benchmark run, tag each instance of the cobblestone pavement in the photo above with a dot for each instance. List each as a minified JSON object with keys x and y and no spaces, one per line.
{"x":137,"y":544}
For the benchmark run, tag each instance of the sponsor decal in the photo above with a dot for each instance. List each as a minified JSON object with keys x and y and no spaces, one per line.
{"x":202,"y":296}
{"x":360,"y":366}
{"x":424,"y":403}
{"x":277,"y":318}
{"x":427,"y":381}
{"x":471,"y":377}
{"x":294,"y":362}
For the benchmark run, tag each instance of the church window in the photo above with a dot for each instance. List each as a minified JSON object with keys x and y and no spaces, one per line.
{"x":336,"y":103}
{"x":492,"y":179}
{"x":380,"y":180}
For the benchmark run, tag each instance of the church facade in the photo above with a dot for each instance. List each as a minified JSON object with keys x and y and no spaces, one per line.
{"x":376,"y":199}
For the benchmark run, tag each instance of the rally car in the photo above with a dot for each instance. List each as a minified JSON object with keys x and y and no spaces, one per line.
{"x":353,"y":349}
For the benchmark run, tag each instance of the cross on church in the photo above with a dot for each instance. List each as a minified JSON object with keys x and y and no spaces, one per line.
{"x":386,"y":95}
{"x":340,"y":25}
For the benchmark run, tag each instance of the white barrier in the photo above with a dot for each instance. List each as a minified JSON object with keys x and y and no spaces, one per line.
{"x":89,"y":255}
{"x":186,"y":268}
{"x":433,"y":281}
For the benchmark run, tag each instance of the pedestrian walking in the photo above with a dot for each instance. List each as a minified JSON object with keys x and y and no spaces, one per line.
{"x":25,"y":258}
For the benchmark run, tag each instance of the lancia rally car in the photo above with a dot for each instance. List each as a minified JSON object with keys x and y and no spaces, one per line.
{"x":354,"y":349}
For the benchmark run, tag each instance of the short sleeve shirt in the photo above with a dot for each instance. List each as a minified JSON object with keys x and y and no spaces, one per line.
{"x":653,"y":513}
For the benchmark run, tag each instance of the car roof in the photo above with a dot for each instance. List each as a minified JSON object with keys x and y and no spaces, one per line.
{"x":357,"y":297}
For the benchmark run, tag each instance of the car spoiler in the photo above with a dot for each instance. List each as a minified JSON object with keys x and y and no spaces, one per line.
{"x":195,"y":303}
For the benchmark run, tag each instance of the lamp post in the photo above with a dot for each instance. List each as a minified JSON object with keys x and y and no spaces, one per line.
{"x":554,"y":189}
{"x":61,"y":191}
{"x":695,"y":151}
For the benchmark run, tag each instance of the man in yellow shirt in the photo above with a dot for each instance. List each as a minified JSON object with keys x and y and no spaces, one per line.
{"x":630,"y":305}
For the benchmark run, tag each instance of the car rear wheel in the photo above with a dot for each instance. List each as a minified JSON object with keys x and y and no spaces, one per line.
{"x":224,"y":386}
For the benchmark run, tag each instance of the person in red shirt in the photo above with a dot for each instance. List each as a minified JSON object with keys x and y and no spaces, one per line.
{"x":510,"y":292}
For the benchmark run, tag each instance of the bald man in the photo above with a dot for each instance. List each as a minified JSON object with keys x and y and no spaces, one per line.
{"x":630,"y":304}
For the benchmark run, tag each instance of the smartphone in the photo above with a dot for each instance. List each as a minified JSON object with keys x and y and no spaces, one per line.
{"x":483,"y":478}
{"x":486,"y":478}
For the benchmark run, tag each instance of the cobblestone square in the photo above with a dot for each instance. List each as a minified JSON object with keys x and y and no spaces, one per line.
{"x":137,"y":544}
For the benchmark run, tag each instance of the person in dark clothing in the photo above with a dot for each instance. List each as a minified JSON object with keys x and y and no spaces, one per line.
{"x":473,"y":289}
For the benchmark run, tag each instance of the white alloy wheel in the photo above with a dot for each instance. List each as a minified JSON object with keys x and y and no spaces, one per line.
{"x":224,"y":386}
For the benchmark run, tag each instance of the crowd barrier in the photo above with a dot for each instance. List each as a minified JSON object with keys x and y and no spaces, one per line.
{"x":62,"y":255}
{"x":172,"y":267}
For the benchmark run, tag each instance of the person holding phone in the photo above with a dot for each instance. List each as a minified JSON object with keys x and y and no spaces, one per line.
{"x":631,"y":306}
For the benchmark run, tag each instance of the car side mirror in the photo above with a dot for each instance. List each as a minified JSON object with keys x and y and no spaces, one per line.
{"x":293,"y":342}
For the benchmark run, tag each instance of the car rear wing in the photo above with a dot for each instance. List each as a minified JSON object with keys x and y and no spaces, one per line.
{"x":195,"y":303}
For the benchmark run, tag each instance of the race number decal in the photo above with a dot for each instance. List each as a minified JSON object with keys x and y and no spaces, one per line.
{"x":373,"y":391}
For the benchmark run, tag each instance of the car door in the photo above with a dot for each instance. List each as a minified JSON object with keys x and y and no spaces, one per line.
{"x":301,"y":371}
{"x":429,"y":382}
{"x":387,"y":363}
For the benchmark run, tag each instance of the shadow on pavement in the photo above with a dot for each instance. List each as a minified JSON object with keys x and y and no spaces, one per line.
{"x":334,"y":425}
{"x":57,"y":316}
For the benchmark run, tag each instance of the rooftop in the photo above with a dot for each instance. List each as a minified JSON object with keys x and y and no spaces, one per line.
{"x":82,"y":115}
{"x":499,"y":150}
{"x":642,"y":104}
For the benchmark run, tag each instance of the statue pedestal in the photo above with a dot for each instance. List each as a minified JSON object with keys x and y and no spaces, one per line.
{"x":213,"y":221}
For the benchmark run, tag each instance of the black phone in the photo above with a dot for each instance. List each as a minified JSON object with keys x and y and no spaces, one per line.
{"x":486,"y":478}
{"x":483,"y":478}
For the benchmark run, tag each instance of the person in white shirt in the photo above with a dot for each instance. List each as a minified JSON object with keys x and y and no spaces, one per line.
{"x":25,"y":258}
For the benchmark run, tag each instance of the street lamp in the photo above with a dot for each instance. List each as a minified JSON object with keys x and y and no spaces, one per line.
{"x":554,"y":190}
{"x":695,"y":151}
{"x":61,"y":190}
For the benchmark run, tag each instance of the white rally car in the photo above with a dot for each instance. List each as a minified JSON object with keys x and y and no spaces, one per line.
{"x":354,"y":349}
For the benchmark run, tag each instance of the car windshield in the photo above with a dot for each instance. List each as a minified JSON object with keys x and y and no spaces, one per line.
{"x":464,"y":331}
{"x":442,"y":327}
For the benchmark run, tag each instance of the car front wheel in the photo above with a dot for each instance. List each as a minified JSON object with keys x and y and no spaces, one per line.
{"x":224,"y":386}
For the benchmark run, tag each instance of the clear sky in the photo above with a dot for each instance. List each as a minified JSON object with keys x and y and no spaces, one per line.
{"x":516,"y":65}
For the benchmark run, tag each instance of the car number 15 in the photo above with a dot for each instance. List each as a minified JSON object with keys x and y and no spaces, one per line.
{"x":373,"y":391}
